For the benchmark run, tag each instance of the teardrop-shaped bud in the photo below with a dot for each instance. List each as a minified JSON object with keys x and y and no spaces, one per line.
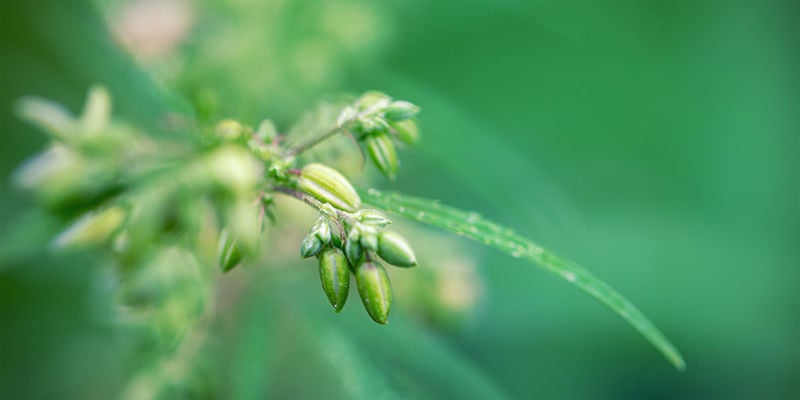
{"x":97,"y":111}
{"x":310,"y":246}
{"x":334,"y":273}
{"x":336,"y":240}
{"x":322,"y":230}
{"x":372,"y":101}
{"x":382,"y":151}
{"x":406,"y":131}
{"x":266,"y":131}
{"x":400,"y":111}
{"x":329,"y":186}
{"x":373,"y":218}
{"x":228,"y":252}
{"x":375,"y":290}
{"x":352,"y":247}
{"x":92,"y":228}
{"x":230,"y":130}
{"x":394,"y":249}
{"x":371,"y":124}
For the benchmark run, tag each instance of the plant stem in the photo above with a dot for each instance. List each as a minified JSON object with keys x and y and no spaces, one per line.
{"x":315,"y":141}
{"x":300,"y":196}
{"x":316,"y":205}
{"x":333,"y":131}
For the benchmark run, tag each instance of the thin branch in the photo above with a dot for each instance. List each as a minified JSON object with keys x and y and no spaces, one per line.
{"x":340,"y":127}
{"x":299,"y":196}
{"x":317,"y":206}
{"x":315,"y":141}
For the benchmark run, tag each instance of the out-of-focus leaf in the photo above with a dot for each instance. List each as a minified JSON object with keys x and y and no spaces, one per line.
{"x":473,"y":226}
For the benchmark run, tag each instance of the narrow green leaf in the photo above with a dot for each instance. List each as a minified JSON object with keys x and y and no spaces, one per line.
{"x":473,"y":226}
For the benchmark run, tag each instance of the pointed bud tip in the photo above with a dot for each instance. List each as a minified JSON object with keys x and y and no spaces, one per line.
{"x":310,"y":246}
{"x":395,"y":249}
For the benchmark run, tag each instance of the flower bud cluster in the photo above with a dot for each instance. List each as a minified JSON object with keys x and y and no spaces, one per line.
{"x":141,"y":194}
{"x":353,"y":243}
{"x":379,"y":122}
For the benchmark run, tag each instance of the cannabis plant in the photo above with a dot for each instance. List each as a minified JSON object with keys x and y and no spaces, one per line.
{"x":157,"y":205}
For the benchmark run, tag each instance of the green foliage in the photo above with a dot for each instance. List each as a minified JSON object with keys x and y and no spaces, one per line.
{"x":625,"y":124}
{"x":228,"y":174}
{"x":476,"y":227}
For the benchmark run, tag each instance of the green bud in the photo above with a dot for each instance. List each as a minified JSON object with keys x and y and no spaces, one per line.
{"x":268,"y":206}
{"x":53,"y":117}
{"x":243,"y":224}
{"x":372,"y":124}
{"x":375,"y":290}
{"x":334,"y":273}
{"x":336,"y":240}
{"x":373,"y":218}
{"x":266,"y":131}
{"x":230,"y":130}
{"x":228,"y":252}
{"x":352,"y":247}
{"x":369,"y":238}
{"x":372,"y":101}
{"x":310,"y":246}
{"x":346,"y":116}
{"x":92,"y":228}
{"x":322,"y":230}
{"x":400,"y":111}
{"x":97,"y":111}
{"x":394,"y":249}
{"x":381,"y":150}
{"x":406,"y":131}
{"x":233,"y":168}
{"x":329,"y":186}
{"x":55,"y":174}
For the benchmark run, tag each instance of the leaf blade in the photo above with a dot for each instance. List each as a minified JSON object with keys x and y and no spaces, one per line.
{"x":473,"y":226}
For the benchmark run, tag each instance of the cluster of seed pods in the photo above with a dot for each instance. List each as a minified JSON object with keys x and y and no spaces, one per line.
{"x":349,"y":241}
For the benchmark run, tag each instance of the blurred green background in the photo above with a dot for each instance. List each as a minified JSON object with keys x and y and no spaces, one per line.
{"x":654,"y":142}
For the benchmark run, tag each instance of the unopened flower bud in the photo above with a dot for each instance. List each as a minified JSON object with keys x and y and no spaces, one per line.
{"x":372,"y":124}
{"x":400,"y":111}
{"x":228,"y":252}
{"x":352,"y":247}
{"x":373,"y":218}
{"x":375,"y":290}
{"x":310,"y":246}
{"x":329,"y":186}
{"x":266,"y":131}
{"x":394,"y":249}
{"x":334,"y":273}
{"x":322,"y":230}
{"x":406,"y":131}
{"x":336,"y":240}
{"x":230,"y":130}
{"x":233,"y":168}
{"x":92,"y":228}
{"x":97,"y":111}
{"x":369,"y":238}
{"x":372,"y":101}
{"x":382,"y":151}
{"x":53,"y":117}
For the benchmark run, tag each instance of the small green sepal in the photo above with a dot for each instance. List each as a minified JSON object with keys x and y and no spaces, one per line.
{"x":228,"y":252}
